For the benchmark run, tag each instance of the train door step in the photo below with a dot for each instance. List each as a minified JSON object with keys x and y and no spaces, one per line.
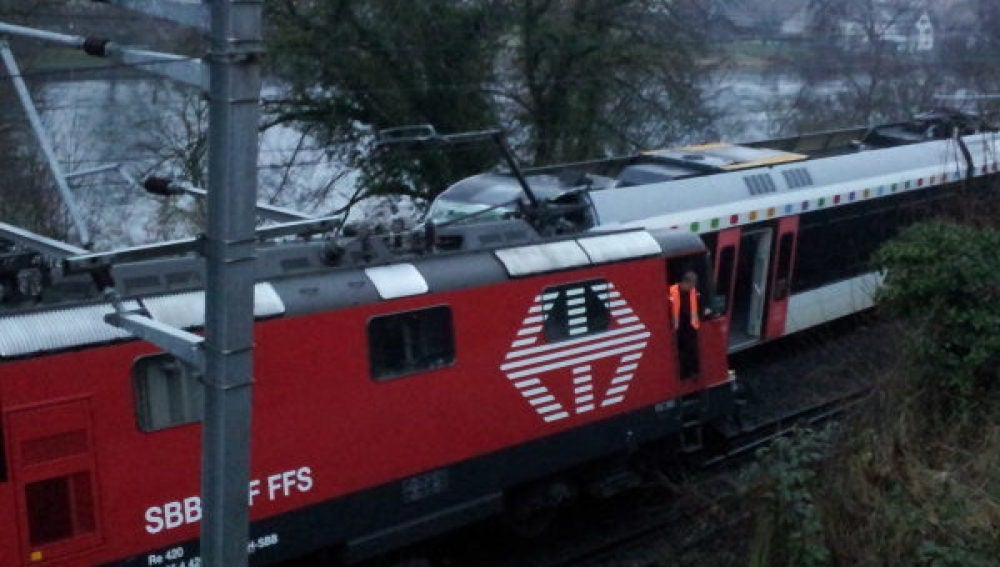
{"x":692,"y":417}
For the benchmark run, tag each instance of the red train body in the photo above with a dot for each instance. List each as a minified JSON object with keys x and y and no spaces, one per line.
{"x":351,"y":445}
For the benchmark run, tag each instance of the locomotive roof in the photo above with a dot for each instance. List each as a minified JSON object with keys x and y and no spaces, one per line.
{"x":293,"y":279}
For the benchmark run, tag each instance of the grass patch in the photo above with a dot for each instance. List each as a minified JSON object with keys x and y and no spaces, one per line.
{"x":905,"y":482}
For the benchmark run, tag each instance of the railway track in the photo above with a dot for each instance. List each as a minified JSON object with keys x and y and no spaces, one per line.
{"x":653,"y":526}
{"x":658,"y":540}
{"x":749,"y":439}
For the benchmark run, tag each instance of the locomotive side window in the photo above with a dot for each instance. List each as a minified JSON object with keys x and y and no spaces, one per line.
{"x":576,"y":310}
{"x":412,"y":341}
{"x":167,"y":393}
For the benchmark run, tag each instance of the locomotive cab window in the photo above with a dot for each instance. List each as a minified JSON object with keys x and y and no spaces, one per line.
{"x":168,"y":392}
{"x":576,"y":310}
{"x":412,"y":341}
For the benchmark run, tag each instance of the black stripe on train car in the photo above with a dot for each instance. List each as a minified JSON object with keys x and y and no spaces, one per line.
{"x":403,"y":512}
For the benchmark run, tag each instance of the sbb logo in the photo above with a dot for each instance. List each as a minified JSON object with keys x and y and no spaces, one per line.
{"x":173,"y":515}
{"x":188,"y":511}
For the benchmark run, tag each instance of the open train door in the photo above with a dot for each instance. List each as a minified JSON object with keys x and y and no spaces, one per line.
{"x":53,"y":470}
{"x":749,"y":297}
{"x":780,"y":286}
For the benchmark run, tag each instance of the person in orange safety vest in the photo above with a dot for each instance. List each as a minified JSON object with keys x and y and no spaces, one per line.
{"x":685,"y":315}
{"x":688,"y":286}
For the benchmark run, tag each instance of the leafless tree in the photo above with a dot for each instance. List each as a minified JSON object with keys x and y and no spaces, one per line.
{"x":862,"y":65}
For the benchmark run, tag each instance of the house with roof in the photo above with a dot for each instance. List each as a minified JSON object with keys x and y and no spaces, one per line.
{"x":853,"y":25}
{"x":909,"y":32}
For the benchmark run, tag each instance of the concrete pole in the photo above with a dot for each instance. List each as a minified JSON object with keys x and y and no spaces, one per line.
{"x":229,"y":249}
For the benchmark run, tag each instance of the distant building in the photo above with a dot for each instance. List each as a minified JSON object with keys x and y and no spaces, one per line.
{"x":906,"y":32}
{"x":853,"y":25}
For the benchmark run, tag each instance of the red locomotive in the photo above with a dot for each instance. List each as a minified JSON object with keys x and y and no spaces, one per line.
{"x":391,"y":401}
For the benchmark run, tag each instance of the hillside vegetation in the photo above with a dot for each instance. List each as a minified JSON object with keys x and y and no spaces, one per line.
{"x":914,"y":479}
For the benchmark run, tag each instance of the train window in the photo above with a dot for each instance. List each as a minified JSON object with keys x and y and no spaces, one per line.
{"x":576,"y":310}
{"x":724,"y":278}
{"x":781,"y":278}
{"x":168,"y":392}
{"x":412,"y":341}
{"x":836,"y":244}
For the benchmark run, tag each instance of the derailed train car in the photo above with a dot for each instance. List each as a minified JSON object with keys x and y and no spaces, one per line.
{"x":790,"y":223}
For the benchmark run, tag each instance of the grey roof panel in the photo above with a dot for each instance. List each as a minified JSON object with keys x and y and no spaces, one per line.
{"x":331,"y":290}
{"x":548,"y":257}
{"x":397,"y":280}
{"x":185,"y":310}
{"x":612,"y":247}
{"x":451,"y":272}
{"x":160,"y":275}
{"x":539,"y":258}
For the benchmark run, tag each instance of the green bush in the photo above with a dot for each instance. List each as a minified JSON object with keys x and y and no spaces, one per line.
{"x":944,"y":281}
{"x":784,"y":484}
